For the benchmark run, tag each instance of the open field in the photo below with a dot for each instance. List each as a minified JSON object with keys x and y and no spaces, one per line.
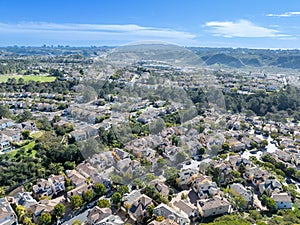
{"x":37,"y":78}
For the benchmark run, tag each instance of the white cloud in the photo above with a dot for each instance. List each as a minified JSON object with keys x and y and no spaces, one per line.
{"x":114,"y":32}
{"x":241,"y":28}
{"x":286,"y":14}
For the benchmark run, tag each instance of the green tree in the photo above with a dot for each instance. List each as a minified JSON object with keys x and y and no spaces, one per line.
{"x":45,"y":218}
{"x":100,"y":189}
{"x":137,"y":183}
{"x":201,"y":151}
{"x":269,"y":203}
{"x":4,"y":111}
{"x":76,"y":201}
{"x":24,"y":116}
{"x":27,"y":221}
{"x":175,"y":140}
{"x":25,"y":134}
{"x":116,"y":198}
{"x":76,"y":222}
{"x":240,"y":202}
{"x":225,"y":147}
{"x":123,"y":189}
{"x":59,"y":210}
{"x":263,"y":143}
{"x":180,"y":157}
{"x":103,"y":203}
{"x":88,"y":195}
{"x":150,"y":210}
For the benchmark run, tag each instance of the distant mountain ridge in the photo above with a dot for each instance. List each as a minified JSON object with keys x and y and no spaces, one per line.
{"x":240,"y":57}
{"x":231,"y":57}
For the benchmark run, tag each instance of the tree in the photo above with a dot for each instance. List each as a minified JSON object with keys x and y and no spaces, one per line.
{"x":123,"y":189}
{"x":27,"y":221}
{"x":45,"y":218}
{"x":150,"y":210}
{"x":76,"y":222}
{"x":59,"y":210}
{"x":180,"y":157}
{"x":88,"y":195}
{"x":25,"y":134}
{"x":100,"y":189}
{"x":230,"y":220}
{"x":264,"y":143}
{"x":4,"y":112}
{"x":225,"y":147}
{"x":137,"y":183}
{"x":175,"y":140}
{"x":116,"y":198}
{"x":103,"y":203}
{"x":24,"y":116}
{"x":269,"y":203}
{"x":201,"y":151}
{"x":76,"y":201}
{"x":240,"y":202}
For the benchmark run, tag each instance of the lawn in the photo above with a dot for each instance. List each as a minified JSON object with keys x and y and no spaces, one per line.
{"x":27,"y":150}
{"x":37,"y":135}
{"x":37,"y":78}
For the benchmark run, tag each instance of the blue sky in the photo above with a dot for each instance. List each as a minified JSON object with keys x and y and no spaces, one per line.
{"x":212,"y":23}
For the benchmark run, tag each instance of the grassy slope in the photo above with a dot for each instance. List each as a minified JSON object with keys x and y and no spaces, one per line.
{"x":38,"y":78}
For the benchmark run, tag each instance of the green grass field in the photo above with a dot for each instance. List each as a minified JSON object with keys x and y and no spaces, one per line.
{"x":37,"y":78}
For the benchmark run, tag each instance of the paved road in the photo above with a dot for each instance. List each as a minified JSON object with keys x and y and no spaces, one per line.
{"x":82,"y":217}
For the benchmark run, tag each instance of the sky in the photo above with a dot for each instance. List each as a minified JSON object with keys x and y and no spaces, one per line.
{"x":203,"y":23}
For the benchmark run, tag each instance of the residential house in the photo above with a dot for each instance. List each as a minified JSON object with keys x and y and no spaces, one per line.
{"x":184,"y":205}
{"x":58,"y":183}
{"x":237,"y":146}
{"x":102,"y":160}
{"x":236,"y":161}
{"x":96,"y":214}
{"x":5,"y":123}
{"x":282,"y":155}
{"x":4,"y":143}
{"x":138,"y":209}
{"x":239,"y":189}
{"x":256,"y":175}
{"x":76,"y":178}
{"x":206,"y":189}
{"x":91,"y":131}
{"x":24,"y":199}
{"x":29,"y":125}
{"x":121,"y":154}
{"x":146,"y":153}
{"x":41,"y":207}
{"x":87,"y":170}
{"x":296,"y":159}
{"x":213,"y":206}
{"x":283,"y":200}
{"x":126,"y":166}
{"x":270,"y":186}
{"x":186,"y":176}
{"x":161,"y":187}
{"x":111,"y":220}
{"x":170,"y":213}
{"x":78,"y":190}
{"x":164,"y":222}
{"x":13,"y":135}
{"x":199,"y":179}
{"x":42,"y":188}
{"x":7,"y":214}
{"x":79,"y":135}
